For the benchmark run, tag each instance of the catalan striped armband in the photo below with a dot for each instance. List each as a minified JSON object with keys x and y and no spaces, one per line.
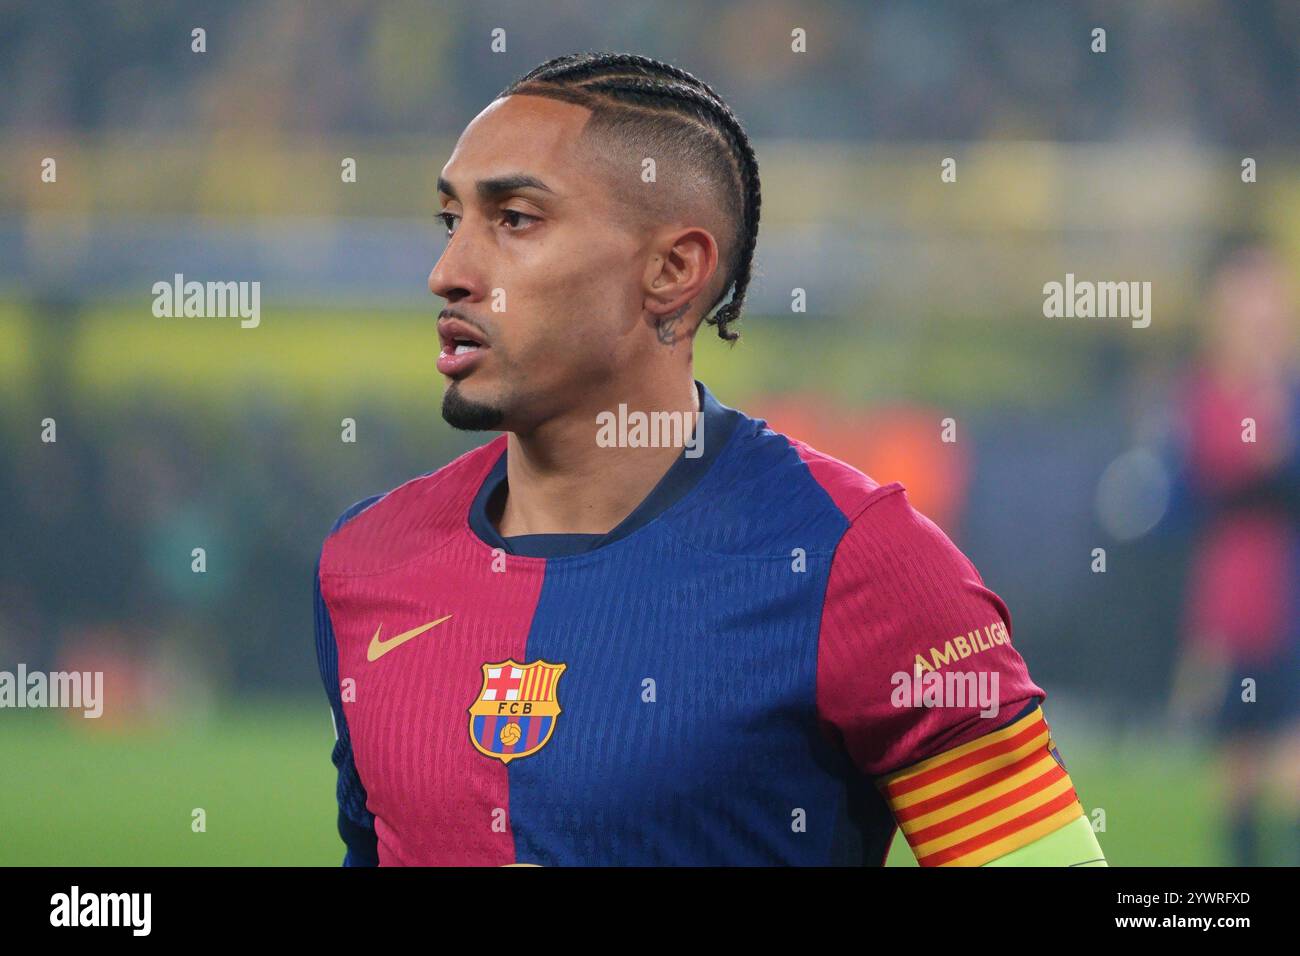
{"x":986,"y":798}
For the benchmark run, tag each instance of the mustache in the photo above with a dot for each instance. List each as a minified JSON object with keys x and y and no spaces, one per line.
{"x":450,"y":313}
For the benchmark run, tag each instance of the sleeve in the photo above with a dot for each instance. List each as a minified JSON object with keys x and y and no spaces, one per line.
{"x":356,"y":824}
{"x":919,"y":680}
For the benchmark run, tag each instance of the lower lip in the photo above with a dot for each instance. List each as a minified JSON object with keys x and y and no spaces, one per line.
{"x":449,"y":364}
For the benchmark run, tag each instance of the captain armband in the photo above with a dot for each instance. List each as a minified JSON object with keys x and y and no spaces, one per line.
{"x":986,"y":798}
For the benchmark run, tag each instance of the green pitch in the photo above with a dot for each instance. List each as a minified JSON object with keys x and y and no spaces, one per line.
{"x":263,"y":779}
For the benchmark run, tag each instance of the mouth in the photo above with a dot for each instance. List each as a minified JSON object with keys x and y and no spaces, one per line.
{"x":463,"y":346}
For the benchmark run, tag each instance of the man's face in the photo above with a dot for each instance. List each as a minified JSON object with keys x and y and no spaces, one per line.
{"x":1252,"y":308}
{"x":539,"y":269}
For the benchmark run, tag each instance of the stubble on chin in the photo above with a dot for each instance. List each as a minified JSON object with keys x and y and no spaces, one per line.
{"x":467,"y":415}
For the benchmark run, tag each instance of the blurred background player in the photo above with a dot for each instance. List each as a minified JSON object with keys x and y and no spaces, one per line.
{"x":1241,"y":617}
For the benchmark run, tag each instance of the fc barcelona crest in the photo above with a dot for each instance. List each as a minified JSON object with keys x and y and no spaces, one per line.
{"x":515,"y":713}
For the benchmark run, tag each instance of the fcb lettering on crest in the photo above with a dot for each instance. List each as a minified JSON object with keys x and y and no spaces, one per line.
{"x":516,"y":710}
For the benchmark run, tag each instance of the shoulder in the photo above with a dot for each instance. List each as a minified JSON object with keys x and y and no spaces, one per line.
{"x":877,"y":516}
{"x":388,"y":529}
{"x":896,"y":567}
{"x":889,"y":530}
{"x":852,"y":490}
{"x":899,"y":586}
{"x":768,"y":492}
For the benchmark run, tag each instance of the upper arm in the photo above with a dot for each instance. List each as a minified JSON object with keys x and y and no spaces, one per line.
{"x":356,"y":824}
{"x":918,"y":678}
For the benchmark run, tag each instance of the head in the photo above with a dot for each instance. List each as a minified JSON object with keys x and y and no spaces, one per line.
{"x":599,"y":212}
{"x":1250,"y":308}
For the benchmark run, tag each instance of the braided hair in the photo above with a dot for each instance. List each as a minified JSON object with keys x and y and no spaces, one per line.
{"x":670,"y":111}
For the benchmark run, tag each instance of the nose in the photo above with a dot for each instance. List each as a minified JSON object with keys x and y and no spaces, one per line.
{"x":456,"y":276}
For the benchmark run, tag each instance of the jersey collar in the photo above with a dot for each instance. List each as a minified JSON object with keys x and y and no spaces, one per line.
{"x":685,"y":473}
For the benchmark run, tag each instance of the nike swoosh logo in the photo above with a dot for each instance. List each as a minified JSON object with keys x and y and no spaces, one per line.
{"x":379,"y":648}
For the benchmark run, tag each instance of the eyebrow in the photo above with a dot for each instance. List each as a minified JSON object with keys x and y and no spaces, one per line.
{"x":497,"y":185}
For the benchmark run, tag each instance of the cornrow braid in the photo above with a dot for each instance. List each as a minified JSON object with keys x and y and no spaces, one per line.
{"x":629,"y":84}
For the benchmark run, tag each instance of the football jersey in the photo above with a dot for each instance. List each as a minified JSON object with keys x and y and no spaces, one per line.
{"x":773,"y":660}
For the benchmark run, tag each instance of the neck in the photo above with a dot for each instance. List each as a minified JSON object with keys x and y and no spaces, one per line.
{"x":561,"y":481}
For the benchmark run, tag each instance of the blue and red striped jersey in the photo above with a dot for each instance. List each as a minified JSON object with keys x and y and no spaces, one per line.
{"x":720,"y":680}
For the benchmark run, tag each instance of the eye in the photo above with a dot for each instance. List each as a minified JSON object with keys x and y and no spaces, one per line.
{"x":512,"y":217}
{"x":448,"y":219}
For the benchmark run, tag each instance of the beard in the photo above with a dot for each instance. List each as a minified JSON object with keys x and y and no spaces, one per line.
{"x":459,"y":412}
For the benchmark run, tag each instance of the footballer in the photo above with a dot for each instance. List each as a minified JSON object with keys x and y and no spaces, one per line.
{"x":562,"y":649}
